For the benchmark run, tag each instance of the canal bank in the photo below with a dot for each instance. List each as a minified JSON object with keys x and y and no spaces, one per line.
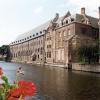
{"x":95,"y":68}
{"x":86,"y":67}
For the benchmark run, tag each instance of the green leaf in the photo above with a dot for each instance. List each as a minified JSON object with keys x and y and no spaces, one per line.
{"x":5,"y":79}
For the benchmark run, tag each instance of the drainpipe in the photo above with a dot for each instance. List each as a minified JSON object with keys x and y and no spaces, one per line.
{"x":44,"y":40}
{"x":99,"y":32}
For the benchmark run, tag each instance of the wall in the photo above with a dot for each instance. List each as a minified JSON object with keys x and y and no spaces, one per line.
{"x":83,"y":67}
{"x":23,"y":52}
{"x":62,"y":41}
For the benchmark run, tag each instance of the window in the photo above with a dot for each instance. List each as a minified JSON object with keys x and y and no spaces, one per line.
{"x":69,"y":32}
{"x":41,"y":41}
{"x":36,"y":33}
{"x":49,"y":38}
{"x":72,"y":19}
{"x":38,"y":49}
{"x":62,"y":23}
{"x":16,"y":54}
{"x":64,"y":33}
{"x":48,"y":46}
{"x":40,"y":32}
{"x":48,"y":54}
{"x":66,"y":21}
{"x":41,"y":52}
{"x":38,"y":56}
{"x":60,"y":34}
{"x":83,"y":30}
{"x":35,"y":50}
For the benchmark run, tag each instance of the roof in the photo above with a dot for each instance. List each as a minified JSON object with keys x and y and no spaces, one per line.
{"x":94,"y":21}
{"x":38,"y":31}
{"x":34,"y":31}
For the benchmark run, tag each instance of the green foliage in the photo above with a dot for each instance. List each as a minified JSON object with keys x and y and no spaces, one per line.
{"x":5,"y":51}
{"x":5,"y":79}
{"x":87,"y":54}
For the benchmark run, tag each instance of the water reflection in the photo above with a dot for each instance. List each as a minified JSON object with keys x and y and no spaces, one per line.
{"x":55,"y":83}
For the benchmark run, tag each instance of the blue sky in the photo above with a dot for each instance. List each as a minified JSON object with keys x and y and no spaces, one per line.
{"x":19,"y":16}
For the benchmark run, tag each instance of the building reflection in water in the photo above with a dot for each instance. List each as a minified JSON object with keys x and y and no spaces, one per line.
{"x":59,"y":84}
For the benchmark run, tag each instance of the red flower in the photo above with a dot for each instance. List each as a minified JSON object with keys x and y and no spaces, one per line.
{"x":25,"y":88}
{"x":12,"y":98}
{"x":1,"y":71}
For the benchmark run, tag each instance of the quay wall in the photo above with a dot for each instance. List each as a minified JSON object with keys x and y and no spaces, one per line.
{"x":86,"y":67}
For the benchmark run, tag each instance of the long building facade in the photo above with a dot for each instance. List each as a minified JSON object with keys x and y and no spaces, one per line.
{"x":54,"y":41}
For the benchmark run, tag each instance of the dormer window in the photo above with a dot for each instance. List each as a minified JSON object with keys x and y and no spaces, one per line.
{"x":40,"y":32}
{"x":36,"y":33}
{"x":72,"y":19}
{"x":30,"y":36}
{"x":27,"y":37}
{"x":66,"y":21}
{"x":33,"y":35}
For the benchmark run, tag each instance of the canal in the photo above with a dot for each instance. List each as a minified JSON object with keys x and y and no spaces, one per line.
{"x":54,"y":83}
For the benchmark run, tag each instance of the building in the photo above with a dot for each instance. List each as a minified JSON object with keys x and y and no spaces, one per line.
{"x":53,"y":42}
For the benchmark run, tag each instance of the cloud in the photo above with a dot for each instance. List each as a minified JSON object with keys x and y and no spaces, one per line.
{"x":38,"y":10}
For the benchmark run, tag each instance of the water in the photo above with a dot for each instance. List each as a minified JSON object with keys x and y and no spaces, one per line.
{"x":54,"y":83}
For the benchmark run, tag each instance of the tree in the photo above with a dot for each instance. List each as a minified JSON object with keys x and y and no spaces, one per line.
{"x":5,"y":51}
{"x":87,"y":54}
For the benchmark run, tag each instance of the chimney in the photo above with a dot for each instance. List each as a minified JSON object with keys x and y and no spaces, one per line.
{"x":99,"y":12}
{"x":82,"y":11}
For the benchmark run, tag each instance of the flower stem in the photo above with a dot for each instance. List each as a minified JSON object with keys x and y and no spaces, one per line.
{"x":20,"y":98}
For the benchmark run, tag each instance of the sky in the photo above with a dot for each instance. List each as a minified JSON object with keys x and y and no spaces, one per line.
{"x":19,"y":16}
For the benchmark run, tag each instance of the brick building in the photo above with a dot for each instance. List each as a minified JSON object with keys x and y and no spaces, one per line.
{"x":52,"y":42}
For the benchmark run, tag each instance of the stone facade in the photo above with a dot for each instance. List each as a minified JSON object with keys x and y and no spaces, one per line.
{"x":52,"y":42}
